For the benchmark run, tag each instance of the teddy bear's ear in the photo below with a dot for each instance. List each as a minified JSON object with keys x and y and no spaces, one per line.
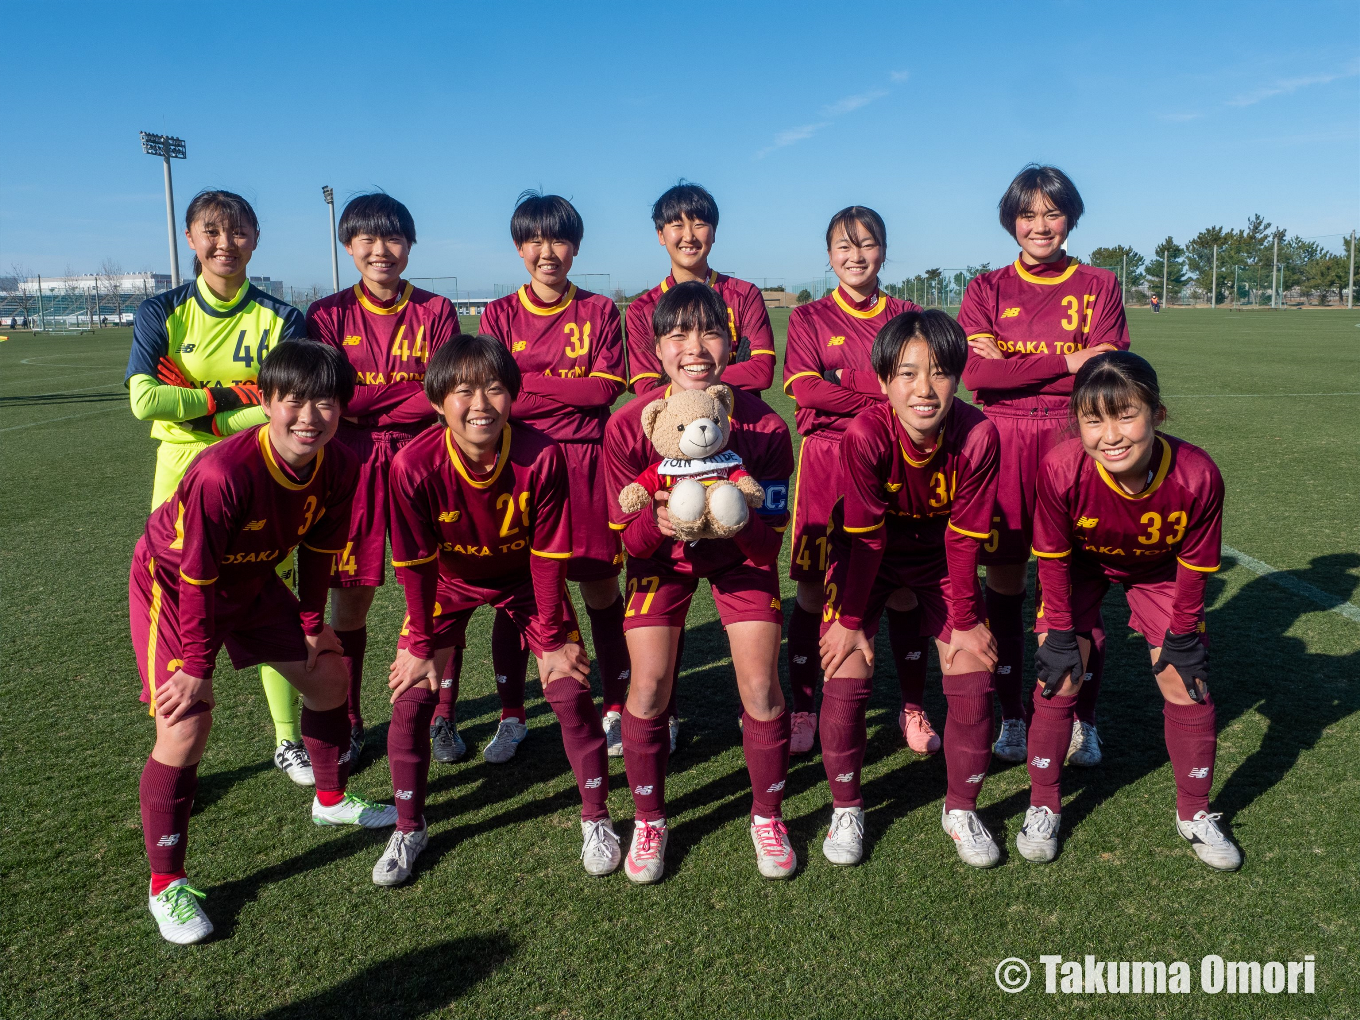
{"x":649,"y":415}
{"x":723,"y":395}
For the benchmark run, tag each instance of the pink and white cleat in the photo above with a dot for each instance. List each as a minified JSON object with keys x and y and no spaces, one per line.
{"x":774,"y":853}
{"x":802,"y":731}
{"x":646,"y":860}
{"x":917,"y":731}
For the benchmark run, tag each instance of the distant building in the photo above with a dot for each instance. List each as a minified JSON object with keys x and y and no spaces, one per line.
{"x":274,"y":288}
{"x":131,"y":284}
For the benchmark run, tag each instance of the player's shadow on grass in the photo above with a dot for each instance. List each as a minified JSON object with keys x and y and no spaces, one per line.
{"x":213,"y":786}
{"x":413,"y":984}
{"x":58,"y":399}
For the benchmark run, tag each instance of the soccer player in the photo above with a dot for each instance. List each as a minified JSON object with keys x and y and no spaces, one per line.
{"x":388,"y":329}
{"x":203,"y":577}
{"x":828,"y":372}
{"x":196,"y":351}
{"x":569,"y":347}
{"x":481,"y":515}
{"x":692,"y":346}
{"x":1124,"y":504}
{"x":1031,"y":326}
{"x":686,"y":221}
{"x":919,"y":476}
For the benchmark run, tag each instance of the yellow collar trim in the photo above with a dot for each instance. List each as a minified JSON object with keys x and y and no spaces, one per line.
{"x":867,"y":313}
{"x":1162,"y":469}
{"x":1046,"y":281}
{"x":939,"y":442}
{"x":528,"y":303}
{"x":456,"y":456}
{"x":267,"y":451}
{"x":205,"y":292}
{"x":712,"y":279}
{"x":378,"y":309}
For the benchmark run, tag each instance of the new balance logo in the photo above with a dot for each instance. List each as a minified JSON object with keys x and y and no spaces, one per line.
{"x":1003,"y":671}
{"x":1010,"y":313}
{"x":775,"y":787}
{"x":446,"y":683}
{"x":256,"y":525}
{"x":626,"y":674}
{"x":642,"y":791}
{"x":836,"y":341}
{"x":893,"y":486}
{"x":799,"y":659}
{"x":1041,"y":763}
{"x":187,"y":349}
{"x":846,"y":777}
{"x":912,"y":656}
{"x":1087,"y":522}
{"x":978,"y":777}
{"x":352,"y":341}
{"x":343,"y":758}
{"x":403,"y":794}
{"x":169,"y":840}
{"x":500,"y":678}
{"x":774,"y":603}
{"x":594,"y":784}
{"x":1200,"y":773}
{"x":449,"y":516}
{"x":519,"y":345}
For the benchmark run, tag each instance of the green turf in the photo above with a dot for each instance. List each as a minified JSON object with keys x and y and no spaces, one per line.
{"x":501,"y":921}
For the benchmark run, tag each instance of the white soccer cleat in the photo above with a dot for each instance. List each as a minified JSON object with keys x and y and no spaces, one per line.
{"x":613,"y":734}
{"x":178,"y":914}
{"x":1012,"y":742}
{"x":600,"y":849}
{"x":971,"y":838}
{"x":1212,"y":845}
{"x":509,"y":735}
{"x":646,"y":860}
{"x":354,"y":810}
{"x":1037,"y":839}
{"x":674,"y":726}
{"x":802,"y":732}
{"x":844,"y":843}
{"x":397,"y":860}
{"x":1084,"y":748}
{"x":295,"y":762}
{"x":774,"y":853}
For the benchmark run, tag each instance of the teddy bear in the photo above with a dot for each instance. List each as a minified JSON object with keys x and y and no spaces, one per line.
{"x":711,"y":494}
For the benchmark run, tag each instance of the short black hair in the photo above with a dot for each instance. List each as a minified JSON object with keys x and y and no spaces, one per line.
{"x":690,"y":305}
{"x":472,"y":359}
{"x":685,"y":199}
{"x":852,"y":219}
{"x":547,"y":218}
{"x":377,"y":215}
{"x":1048,"y":181}
{"x":227,"y":204}
{"x":947,"y":342}
{"x":306,"y":370}
{"x":1113,"y":382}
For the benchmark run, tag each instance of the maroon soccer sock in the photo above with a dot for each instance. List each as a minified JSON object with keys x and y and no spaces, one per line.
{"x":354,"y":643}
{"x":510,"y":659}
{"x":408,"y":754}
{"x":1004,"y":621}
{"x":842,"y":729}
{"x":326,"y":737}
{"x":646,"y":752}
{"x":167,"y":797}
{"x":583,"y":739}
{"x":611,"y":654}
{"x":1192,"y":742}
{"x":767,"y":760}
{"x":967,"y":737}
{"x":1050,"y":731}
{"x":448,"y":687}
{"x":909,"y":655}
{"x":805,"y":660}
{"x":1095,"y":668}
{"x":673,"y":705}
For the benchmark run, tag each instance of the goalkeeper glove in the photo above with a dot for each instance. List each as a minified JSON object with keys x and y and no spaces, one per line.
{"x":1187,"y":653}
{"x":169,"y":373}
{"x":230,"y":398}
{"x":1057,"y":657}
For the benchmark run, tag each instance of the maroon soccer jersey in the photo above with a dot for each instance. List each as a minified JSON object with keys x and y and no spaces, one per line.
{"x":835,"y":333}
{"x":571,"y":356}
{"x":1037,"y":315}
{"x":748,"y":323}
{"x":389,"y":346}
{"x":759,"y":437}
{"x":933,"y":507}
{"x":236,"y":514}
{"x":507,"y":525}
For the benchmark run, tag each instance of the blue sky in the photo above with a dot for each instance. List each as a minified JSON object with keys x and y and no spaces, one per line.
{"x":1170,"y":117}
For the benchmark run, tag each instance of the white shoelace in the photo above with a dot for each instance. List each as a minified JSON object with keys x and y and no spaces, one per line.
{"x":595,"y":844}
{"x":846,"y":820}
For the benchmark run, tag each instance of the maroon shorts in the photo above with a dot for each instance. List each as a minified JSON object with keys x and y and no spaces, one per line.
{"x":659,"y":597}
{"x":596,"y":548}
{"x":456,"y":600}
{"x":364,"y":560}
{"x":1026,"y":436}
{"x":817,"y":487}
{"x":1149,"y":605}
{"x":268,"y":629}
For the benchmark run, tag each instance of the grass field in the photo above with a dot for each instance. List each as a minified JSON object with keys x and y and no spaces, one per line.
{"x":501,"y":921}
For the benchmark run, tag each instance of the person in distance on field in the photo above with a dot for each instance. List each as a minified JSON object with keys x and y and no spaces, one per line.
{"x":919,"y":474}
{"x":828,"y":372}
{"x":387,"y":329}
{"x":203,"y":576}
{"x":692,"y":346}
{"x":1031,"y":325}
{"x":481,"y":515}
{"x":569,"y":347}
{"x":1125,"y":504}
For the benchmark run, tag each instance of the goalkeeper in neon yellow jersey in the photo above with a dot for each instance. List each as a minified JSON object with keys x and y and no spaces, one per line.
{"x":196,"y":351}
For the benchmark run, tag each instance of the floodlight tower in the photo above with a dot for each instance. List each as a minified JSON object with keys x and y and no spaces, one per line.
{"x":329,"y":196}
{"x":168,"y":148}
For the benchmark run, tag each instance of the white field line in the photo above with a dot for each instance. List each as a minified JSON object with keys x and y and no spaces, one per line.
{"x":67,"y":417}
{"x":1291,"y":583}
{"x":57,"y":393}
{"x":1178,"y":396}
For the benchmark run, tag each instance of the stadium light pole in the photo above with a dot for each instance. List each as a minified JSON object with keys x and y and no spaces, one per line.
{"x":1274,"y":268}
{"x":1166,"y":255}
{"x":1350,"y":292}
{"x":329,"y":196}
{"x":1213,"y":287}
{"x":168,"y":148}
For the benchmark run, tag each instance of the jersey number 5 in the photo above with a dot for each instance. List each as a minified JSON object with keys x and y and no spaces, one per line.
{"x":1075,"y":313}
